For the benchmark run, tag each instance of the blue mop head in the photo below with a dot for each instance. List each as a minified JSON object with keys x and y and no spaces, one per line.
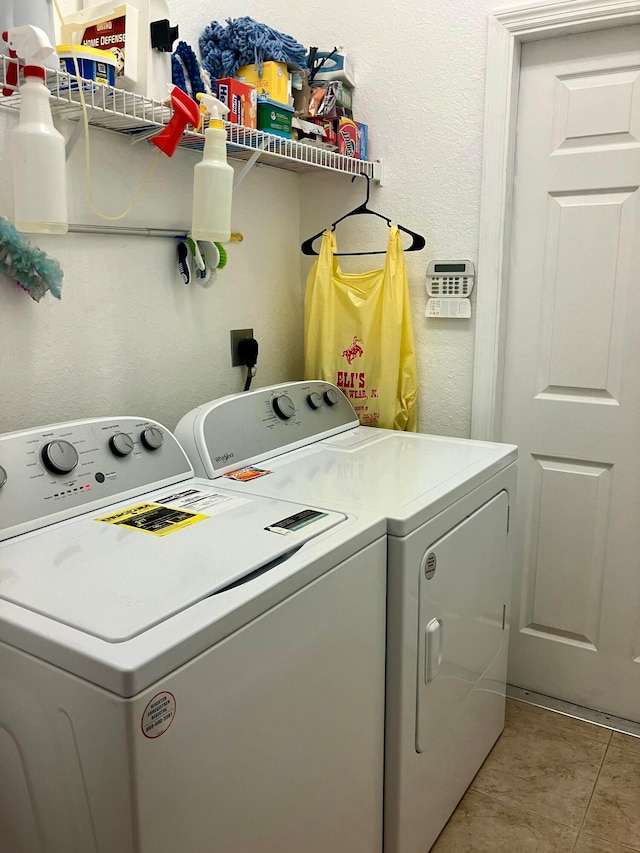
{"x":245,"y":42}
{"x":28,"y":265}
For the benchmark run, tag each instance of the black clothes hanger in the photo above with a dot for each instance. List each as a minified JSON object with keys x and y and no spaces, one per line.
{"x":418,"y":241}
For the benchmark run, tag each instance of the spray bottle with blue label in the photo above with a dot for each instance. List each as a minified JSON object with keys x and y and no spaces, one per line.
{"x":37,"y":149}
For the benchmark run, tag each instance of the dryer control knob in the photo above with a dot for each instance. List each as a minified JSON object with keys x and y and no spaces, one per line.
{"x":59,"y":457}
{"x":152,"y":438}
{"x":121,"y":444}
{"x":331,"y":397}
{"x":283,"y":407}
{"x":314,"y":400}
{"x":3,"y":476}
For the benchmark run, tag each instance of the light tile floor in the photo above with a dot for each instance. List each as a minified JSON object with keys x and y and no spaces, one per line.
{"x":551,"y":784}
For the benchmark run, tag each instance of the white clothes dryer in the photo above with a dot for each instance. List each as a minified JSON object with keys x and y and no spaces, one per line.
{"x":181,"y":668}
{"x":447,"y":503}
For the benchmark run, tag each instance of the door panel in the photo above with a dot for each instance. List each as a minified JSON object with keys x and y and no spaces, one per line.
{"x":582,"y":296}
{"x":596,"y":109}
{"x":572,"y":375}
{"x":566,"y":568}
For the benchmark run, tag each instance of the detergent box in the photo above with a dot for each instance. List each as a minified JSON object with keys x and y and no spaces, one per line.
{"x":347,"y":137}
{"x":274,"y":117}
{"x":274,"y":83}
{"x":241,"y":100}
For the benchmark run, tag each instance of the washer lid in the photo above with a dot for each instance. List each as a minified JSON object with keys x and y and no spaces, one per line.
{"x":115,"y":573}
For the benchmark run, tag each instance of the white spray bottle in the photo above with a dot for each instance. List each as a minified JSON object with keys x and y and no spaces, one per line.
{"x":37,"y":149}
{"x":213,"y":179}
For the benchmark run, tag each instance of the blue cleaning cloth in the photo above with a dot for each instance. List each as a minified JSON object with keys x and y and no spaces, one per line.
{"x":245,"y":42}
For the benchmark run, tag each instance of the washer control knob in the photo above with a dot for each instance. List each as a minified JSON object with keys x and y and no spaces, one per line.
{"x":121,"y":444}
{"x":152,"y":438}
{"x":3,"y":476}
{"x":283,"y":407}
{"x":314,"y":400}
{"x":331,"y":396}
{"x":59,"y":457}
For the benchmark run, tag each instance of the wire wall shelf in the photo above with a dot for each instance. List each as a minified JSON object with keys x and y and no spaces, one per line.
{"x":140,"y":118}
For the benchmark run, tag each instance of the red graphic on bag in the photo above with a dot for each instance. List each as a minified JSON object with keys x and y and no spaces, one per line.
{"x":354,"y":351}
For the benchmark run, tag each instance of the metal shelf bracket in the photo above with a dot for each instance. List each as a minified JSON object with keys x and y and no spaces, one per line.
{"x":250,"y":164}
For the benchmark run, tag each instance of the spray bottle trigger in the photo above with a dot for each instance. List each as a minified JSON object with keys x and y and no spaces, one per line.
{"x":11,"y":77}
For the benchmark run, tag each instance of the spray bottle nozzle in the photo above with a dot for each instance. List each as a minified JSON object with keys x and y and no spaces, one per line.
{"x":31,"y":46}
{"x":212,"y":106}
{"x":185,"y":111}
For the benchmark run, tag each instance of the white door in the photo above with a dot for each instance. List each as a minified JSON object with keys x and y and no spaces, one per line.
{"x":572,"y":375}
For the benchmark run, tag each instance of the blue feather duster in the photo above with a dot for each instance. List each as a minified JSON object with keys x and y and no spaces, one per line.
{"x":29,"y":266}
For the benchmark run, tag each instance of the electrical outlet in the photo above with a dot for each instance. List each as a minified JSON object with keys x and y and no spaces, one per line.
{"x":236,"y":336}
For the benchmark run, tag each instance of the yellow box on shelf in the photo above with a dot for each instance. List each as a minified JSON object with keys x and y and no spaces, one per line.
{"x":274,"y":82}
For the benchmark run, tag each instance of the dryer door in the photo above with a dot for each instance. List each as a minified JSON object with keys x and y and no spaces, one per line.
{"x":462,"y":595}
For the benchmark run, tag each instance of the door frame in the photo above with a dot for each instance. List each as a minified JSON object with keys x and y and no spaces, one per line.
{"x":508,"y":30}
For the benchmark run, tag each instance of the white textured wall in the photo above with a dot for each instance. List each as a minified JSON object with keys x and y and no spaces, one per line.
{"x":128,"y":336}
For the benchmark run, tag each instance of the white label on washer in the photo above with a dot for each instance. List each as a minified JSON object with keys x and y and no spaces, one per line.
{"x":158,"y":715}
{"x":199,"y":500}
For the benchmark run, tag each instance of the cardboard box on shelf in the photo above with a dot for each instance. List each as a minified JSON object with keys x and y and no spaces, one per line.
{"x":301,"y":93}
{"x":306,"y":131}
{"x":347,"y":137}
{"x":329,"y":131}
{"x":274,"y":83}
{"x":363,"y":141}
{"x":274,"y":117}
{"x":241,"y":100}
{"x":344,"y":95}
{"x":331,"y":65}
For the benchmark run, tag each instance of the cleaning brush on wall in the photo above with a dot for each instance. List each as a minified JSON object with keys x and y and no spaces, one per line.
{"x":26,"y":264}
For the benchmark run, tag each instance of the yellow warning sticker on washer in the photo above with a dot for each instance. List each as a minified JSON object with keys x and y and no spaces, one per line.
{"x":153,"y":518}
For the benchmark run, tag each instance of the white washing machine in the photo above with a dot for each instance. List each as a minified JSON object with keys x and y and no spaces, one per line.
{"x":447,"y":504}
{"x":182,"y":668}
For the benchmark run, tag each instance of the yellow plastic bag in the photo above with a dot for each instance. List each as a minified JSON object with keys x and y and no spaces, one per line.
{"x":358,"y":335}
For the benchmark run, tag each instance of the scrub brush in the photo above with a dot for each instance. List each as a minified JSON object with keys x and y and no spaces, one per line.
{"x":223,"y":256}
{"x":183,"y":261}
{"x":26,"y":264}
{"x":210,"y":257}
